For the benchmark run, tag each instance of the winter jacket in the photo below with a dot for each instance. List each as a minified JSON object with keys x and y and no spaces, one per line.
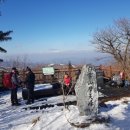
{"x":67,"y":81}
{"x":122,"y":75}
{"x":14,"y":80}
{"x":30,"y":80}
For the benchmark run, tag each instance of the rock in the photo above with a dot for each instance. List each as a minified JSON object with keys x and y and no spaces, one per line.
{"x":86,"y":91}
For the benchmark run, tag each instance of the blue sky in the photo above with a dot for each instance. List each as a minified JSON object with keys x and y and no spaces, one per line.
{"x":41,"y":26}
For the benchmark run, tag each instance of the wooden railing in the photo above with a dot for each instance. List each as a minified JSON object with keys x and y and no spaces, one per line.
{"x":109,"y":70}
{"x":59,"y":74}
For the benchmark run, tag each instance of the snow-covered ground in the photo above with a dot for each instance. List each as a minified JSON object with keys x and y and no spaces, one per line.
{"x":55,"y":118}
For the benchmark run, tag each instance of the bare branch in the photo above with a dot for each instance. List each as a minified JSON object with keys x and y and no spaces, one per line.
{"x":115,"y":41}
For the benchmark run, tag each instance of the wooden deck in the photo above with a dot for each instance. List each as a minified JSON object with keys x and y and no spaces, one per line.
{"x":111,"y":93}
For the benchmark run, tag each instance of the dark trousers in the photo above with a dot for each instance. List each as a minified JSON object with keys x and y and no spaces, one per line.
{"x":123,"y":83}
{"x":66,"y":89}
{"x":14,"y":99}
{"x":30,"y":95}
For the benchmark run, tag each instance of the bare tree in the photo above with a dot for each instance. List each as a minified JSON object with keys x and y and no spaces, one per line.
{"x":115,"y":41}
{"x":25,"y":61}
{"x":20,"y":62}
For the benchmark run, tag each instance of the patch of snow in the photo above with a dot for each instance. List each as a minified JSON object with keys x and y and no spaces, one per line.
{"x":61,"y":64}
{"x":42,"y":86}
{"x":57,"y":117}
{"x":51,"y":64}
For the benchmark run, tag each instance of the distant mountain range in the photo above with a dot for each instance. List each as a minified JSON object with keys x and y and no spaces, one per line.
{"x":75,"y":57}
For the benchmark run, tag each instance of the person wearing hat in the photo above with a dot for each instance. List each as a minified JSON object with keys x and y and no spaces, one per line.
{"x":14,"y":87}
{"x":29,"y":82}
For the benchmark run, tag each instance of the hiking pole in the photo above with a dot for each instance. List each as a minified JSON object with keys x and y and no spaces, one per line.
{"x":63,"y":95}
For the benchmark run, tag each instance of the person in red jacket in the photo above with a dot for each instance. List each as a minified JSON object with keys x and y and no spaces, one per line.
{"x":122,"y":76}
{"x":67,"y":83}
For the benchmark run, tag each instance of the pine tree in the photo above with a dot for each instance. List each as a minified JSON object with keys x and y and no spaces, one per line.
{"x":4,"y":36}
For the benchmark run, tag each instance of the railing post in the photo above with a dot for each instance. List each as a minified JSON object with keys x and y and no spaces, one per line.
{"x":110,"y":71}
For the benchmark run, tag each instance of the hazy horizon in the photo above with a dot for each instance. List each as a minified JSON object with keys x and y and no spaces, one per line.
{"x":75,"y":57}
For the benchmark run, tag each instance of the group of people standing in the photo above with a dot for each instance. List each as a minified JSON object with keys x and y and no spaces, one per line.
{"x":29,"y":82}
{"x":16,"y":82}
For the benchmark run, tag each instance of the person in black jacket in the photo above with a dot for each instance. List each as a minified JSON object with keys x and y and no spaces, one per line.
{"x":29,"y":82}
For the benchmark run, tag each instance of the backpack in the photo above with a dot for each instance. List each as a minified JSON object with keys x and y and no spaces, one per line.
{"x":7,"y":80}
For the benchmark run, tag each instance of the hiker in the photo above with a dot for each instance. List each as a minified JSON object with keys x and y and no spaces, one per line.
{"x":127,"y":83}
{"x":29,"y":82}
{"x":77,"y":74}
{"x":67,"y":84}
{"x":116,"y":80}
{"x":14,"y":86}
{"x":75,"y":78}
{"x":122,"y":76}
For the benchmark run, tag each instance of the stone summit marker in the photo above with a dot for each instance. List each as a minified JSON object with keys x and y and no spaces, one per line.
{"x":86,"y":92}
